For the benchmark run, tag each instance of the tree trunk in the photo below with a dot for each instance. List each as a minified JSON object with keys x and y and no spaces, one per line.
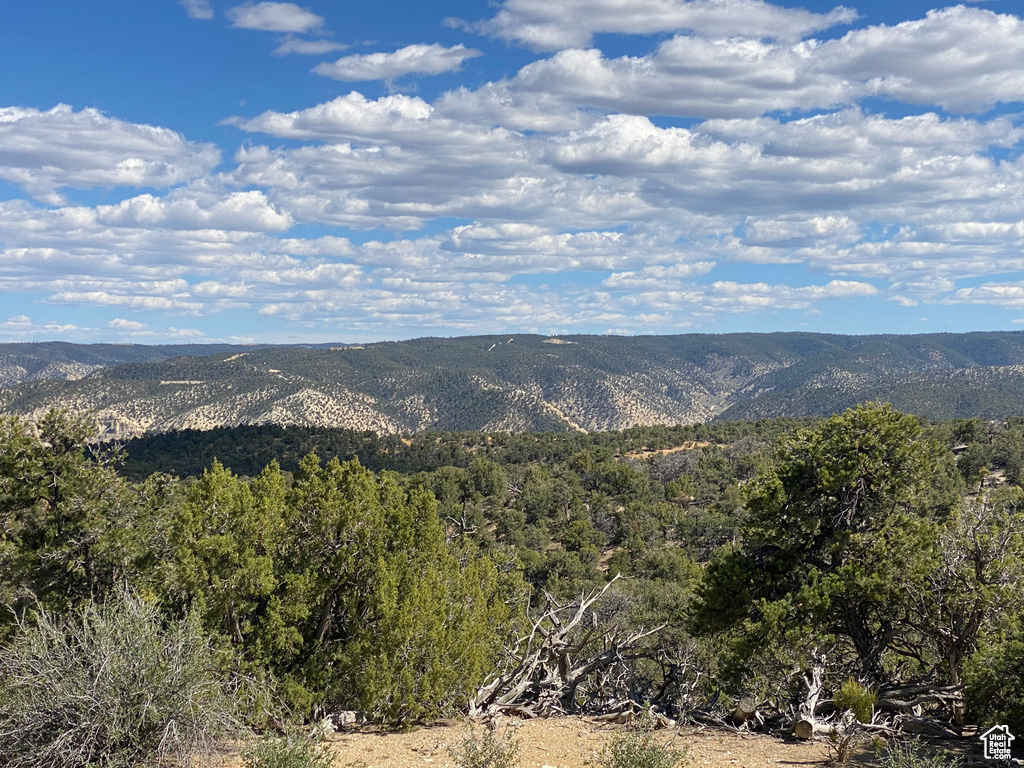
{"x":746,"y":708}
{"x":806,"y":727}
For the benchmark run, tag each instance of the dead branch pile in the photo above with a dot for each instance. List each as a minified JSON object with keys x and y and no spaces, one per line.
{"x":564,"y":665}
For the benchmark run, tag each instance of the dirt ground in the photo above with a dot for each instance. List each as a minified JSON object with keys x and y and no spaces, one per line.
{"x":569,"y":742}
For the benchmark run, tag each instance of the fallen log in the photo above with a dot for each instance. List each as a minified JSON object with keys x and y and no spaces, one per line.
{"x":806,"y":728}
{"x":924,"y":726}
{"x":745,"y":710}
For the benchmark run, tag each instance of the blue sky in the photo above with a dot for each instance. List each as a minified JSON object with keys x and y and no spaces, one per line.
{"x":279,"y":172}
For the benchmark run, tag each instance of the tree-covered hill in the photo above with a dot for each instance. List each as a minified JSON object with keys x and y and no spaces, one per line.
{"x":526,"y":383}
{"x":39,"y":361}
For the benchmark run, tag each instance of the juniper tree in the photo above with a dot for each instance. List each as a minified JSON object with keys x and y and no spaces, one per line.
{"x":841,"y":532}
{"x":61,"y":502}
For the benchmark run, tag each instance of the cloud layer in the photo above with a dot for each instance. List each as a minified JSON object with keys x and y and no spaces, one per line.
{"x":733,"y":166}
{"x":548,"y":26}
{"x":44,"y":151}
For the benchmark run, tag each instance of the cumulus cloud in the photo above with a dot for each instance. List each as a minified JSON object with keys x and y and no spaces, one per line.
{"x":23,"y":328}
{"x":556,"y":198}
{"x":43,"y":151}
{"x":752,"y":293}
{"x":292,"y":44}
{"x":418,"y":59}
{"x":198,"y":9}
{"x":657,"y":276}
{"x":689,"y":77}
{"x":1007,"y":295}
{"x":347,"y":117}
{"x":548,"y":25}
{"x":961,"y":59}
{"x":133,"y":326}
{"x":798,"y":231}
{"x":248,"y":211}
{"x":811,"y":184}
{"x":274,"y":17}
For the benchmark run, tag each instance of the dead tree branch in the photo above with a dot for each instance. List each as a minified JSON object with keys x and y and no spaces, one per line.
{"x":555,"y":669}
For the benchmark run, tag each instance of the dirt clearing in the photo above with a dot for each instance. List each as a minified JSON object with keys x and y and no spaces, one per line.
{"x":569,"y":742}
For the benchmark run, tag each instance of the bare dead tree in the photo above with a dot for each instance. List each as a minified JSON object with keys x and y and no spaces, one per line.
{"x":807,"y":725}
{"x":564,"y":664}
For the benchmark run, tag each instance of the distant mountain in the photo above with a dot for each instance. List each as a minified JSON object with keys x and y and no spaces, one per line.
{"x":40,"y":361}
{"x":522,"y":383}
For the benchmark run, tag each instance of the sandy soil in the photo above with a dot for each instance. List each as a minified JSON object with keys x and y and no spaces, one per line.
{"x":569,"y":742}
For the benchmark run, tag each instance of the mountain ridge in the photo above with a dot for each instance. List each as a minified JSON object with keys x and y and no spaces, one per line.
{"x":523,"y":382}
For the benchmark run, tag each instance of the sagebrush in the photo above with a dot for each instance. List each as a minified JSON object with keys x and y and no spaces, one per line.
{"x":639,"y":747}
{"x":909,"y":753}
{"x":110,"y":687}
{"x":293,"y":750}
{"x":484,"y":748}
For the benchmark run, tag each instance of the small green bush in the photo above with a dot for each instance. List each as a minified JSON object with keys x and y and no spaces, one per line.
{"x":909,"y":754}
{"x":638,"y":747}
{"x":857,"y":698}
{"x":484,"y":748}
{"x":110,"y":687}
{"x":293,"y":750}
{"x":995,"y":680}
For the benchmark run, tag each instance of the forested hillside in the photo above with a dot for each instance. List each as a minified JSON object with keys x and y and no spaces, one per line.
{"x":41,"y":361}
{"x":864,"y":563}
{"x":529,"y":383}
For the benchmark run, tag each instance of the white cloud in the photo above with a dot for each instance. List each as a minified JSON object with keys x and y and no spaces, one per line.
{"x":523,"y":248}
{"x":111,"y":299}
{"x":797,"y":231}
{"x":274,"y":17}
{"x":757,"y":190}
{"x":181,"y":334}
{"x":961,"y":59}
{"x":132,"y":326}
{"x":45,"y":151}
{"x":302,"y":47}
{"x":548,"y":25}
{"x":712,"y":78}
{"x":22,"y":328}
{"x":1006,"y":295}
{"x":657,"y":275}
{"x":417,"y":59}
{"x":573,"y":208}
{"x":755,"y":292}
{"x":198,"y":9}
{"x":347,"y":117}
{"x":248,"y":211}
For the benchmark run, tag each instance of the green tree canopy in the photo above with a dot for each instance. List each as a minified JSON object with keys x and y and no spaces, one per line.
{"x":841,"y":528}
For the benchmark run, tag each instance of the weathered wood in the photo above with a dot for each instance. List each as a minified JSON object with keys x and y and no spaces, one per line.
{"x":927,"y":727}
{"x":745,"y":709}
{"x":542,"y":676}
{"x":806,"y":728}
{"x":912,"y":699}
